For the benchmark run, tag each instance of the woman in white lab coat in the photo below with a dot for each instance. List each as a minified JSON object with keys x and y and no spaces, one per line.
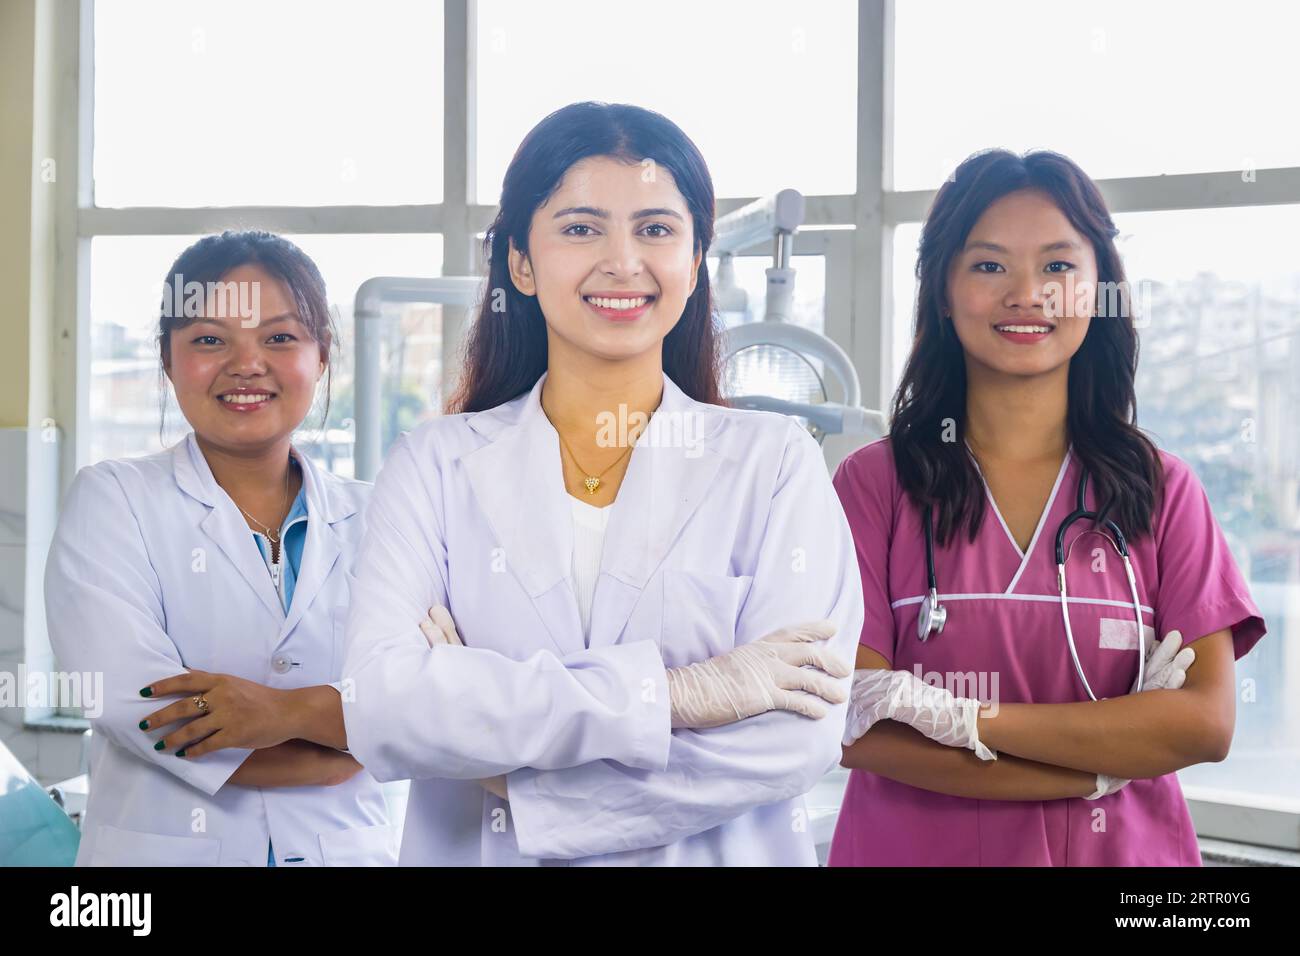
{"x":208,"y":584}
{"x":635,"y":686}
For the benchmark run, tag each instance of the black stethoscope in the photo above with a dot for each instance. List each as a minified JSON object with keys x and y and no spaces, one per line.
{"x":933,"y":615}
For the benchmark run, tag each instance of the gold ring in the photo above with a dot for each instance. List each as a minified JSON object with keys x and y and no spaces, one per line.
{"x":201,"y":703}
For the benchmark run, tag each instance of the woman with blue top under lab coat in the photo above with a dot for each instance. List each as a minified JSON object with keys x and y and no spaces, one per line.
{"x":644,"y":602}
{"x":208,"y":584}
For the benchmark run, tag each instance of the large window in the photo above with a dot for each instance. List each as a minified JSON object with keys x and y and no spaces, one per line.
{"x":1124,"y":89}
{"x":764,"y":88}
{"x":243,"y":103}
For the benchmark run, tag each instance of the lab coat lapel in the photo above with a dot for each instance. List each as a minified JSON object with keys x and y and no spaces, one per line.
{"x":325,"y":506}
{"x":223,"y":524}
{"x":669,"y":473}
{"x":518,"y":482}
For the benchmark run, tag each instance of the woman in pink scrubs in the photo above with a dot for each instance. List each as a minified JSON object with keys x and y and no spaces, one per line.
{"x":1020,"y":378}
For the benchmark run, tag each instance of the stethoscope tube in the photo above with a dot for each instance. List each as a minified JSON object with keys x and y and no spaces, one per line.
{"x":934,"y":615}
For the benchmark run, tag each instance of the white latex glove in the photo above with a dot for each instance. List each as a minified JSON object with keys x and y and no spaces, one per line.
{"x":1165,"y":669}
{"x":879,"y":694}
{"x":439,"y":628}
{"x":1166,"y":665}
{"x":771,"y":673}
{"x":1108,"y":785}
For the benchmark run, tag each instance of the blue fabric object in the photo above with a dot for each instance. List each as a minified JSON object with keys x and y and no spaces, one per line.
{"x":293,"y":535}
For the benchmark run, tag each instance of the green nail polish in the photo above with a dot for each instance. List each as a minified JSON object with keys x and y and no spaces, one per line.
{"x":159,"y":745}
{"x":144,"y":725}
{"x":146,"y":692}
{"x":181,"y":752}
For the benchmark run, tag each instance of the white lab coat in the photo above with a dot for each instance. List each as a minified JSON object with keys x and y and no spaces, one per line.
{"x":153,"y":570}
{"x":707,"y":547}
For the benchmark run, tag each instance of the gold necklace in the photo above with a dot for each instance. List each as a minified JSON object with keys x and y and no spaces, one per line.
{"x":592,"y":482}
{"x":272,"y":536}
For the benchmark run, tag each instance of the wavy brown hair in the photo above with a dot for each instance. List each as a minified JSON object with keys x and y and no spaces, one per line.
{"x":1121,"y":461}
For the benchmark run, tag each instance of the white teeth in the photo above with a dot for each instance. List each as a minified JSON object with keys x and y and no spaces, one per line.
{"x":245,"y":398}
{"x":1024,"y":328}
{"x":618,"y":303}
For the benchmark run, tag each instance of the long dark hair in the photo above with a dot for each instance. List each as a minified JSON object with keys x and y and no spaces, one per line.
{"x":505,"y":349}
{"x":1122,"y":462}
{"x":212,"y":257}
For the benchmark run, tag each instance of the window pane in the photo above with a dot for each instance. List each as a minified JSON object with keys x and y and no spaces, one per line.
{"x":767,"y":92}
{"x":1218,"y":383}
{"x":907,"y":240}
{"x":126,"y":388}
{"x":299,"y":102}
{"x":1125,"y":89}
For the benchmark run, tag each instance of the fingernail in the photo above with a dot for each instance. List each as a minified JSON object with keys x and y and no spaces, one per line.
{"x":181,"y":752}
{"x":159,"y":745}
{"x":146,"y":691}
{"x":144,"y":725}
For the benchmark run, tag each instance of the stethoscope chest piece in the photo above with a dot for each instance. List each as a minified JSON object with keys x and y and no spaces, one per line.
{"x":932,"y":618}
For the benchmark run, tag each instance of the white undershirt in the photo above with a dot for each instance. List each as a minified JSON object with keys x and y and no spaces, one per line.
{"x":588,"y":541}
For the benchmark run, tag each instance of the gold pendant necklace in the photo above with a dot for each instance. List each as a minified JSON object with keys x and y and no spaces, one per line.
{"x":272,"y":536}
{"x":592,"y":482}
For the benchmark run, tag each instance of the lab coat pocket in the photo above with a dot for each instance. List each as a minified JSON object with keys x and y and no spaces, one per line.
{"x":360,"y":846}
{"x":700,"y":614}
{"x":117,"y":847}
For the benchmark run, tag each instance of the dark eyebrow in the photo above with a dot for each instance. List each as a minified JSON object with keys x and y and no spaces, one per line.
{"x":604,"y":213}
{"x":647,"y":213}
{"x":582,"y":211}
{"x":1050,"y":247}
{"x":283,"y":317}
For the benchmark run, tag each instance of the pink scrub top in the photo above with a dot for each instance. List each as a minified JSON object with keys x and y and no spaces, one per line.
{"x":1004,"y":639}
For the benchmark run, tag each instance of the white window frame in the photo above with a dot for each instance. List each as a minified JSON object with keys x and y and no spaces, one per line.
{"x":859,"y":268}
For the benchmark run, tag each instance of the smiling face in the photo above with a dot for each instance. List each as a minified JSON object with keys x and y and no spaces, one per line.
{"x":1001,"y":287}
{"x":611,"y":259}
{"x":246,"y":389}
